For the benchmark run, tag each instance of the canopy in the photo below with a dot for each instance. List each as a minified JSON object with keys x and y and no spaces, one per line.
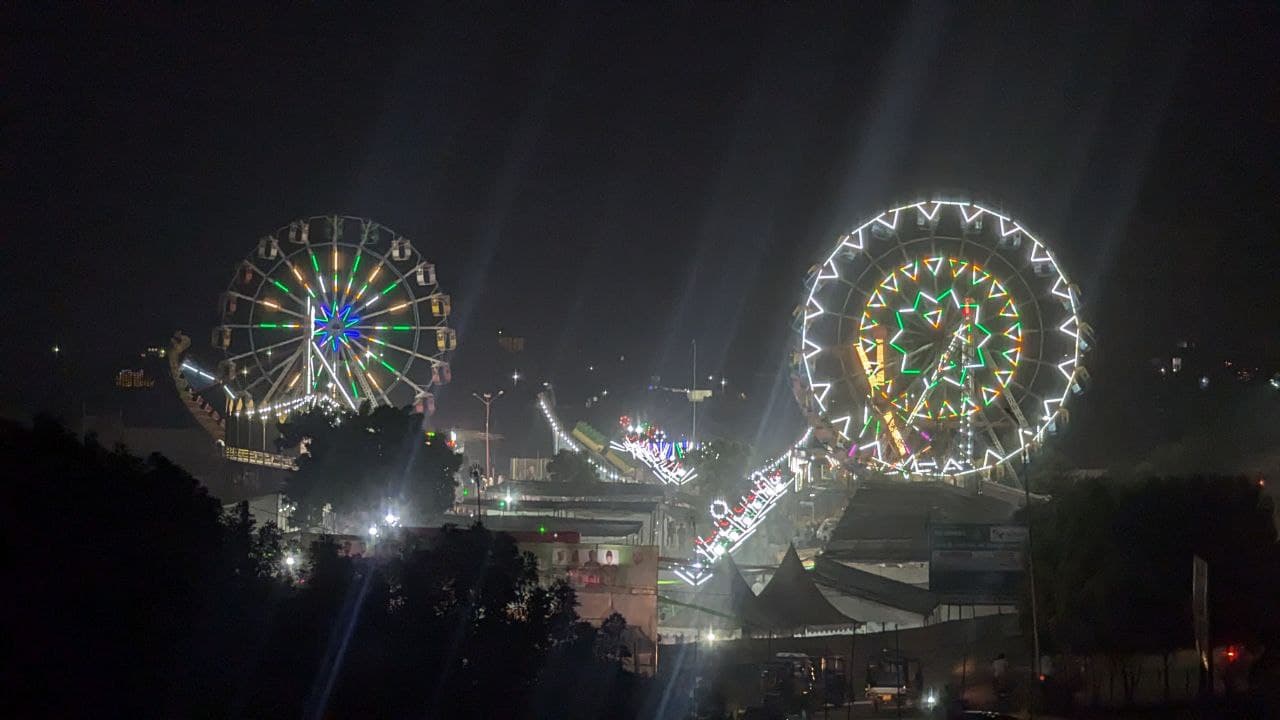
{"x":792,"y":602}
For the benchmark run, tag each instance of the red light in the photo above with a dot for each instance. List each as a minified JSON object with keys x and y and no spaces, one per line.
{"x":1232,"y":654}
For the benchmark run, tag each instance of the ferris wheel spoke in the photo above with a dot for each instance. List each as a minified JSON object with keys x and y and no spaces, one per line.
{"x":366,"y":375}
{"x":361,"y":373}
{"x":255,"y":351}
{"x":391,"y":368}
{"x":267,"y":374}
{"x":435,"y":362}
{"x":293,"y":360}
{"x":333,"y":375}
{"x":267,"y":303}
{"x":398,"y":306}
{"x":278,"y":285}
{"x":351,"y":365}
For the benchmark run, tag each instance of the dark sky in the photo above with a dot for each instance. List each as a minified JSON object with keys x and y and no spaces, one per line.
{"x":617,"y":180}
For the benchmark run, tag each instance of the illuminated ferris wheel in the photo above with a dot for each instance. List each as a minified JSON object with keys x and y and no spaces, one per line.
{"x":333,"y":309}
{"x":938,"y":339}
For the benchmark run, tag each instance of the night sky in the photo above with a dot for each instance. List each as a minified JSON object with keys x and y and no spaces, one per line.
{"x":617,"y":180}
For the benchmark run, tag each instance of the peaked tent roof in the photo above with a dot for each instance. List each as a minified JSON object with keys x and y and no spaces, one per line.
{"x":862,"y":584}
{"x":723,"y":601}
{"x":746,"y":605}
{"x":793,"y":601}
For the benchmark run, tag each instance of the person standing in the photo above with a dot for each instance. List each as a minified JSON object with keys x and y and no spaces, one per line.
{"x":999,"y":670}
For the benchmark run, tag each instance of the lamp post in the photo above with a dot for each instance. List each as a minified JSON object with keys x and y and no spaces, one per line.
{"x":487,"y":399}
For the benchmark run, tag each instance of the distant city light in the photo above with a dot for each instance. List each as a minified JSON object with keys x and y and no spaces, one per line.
{"x":56,"y":349}
{"x":391,"y":519}
{"x":515,"y":378}
{"x":373,"y":531}
{"x":290,"y":560}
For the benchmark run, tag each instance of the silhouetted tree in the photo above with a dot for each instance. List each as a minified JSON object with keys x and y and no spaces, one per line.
{"x":571,"y":467}
{"x":360,"y":461}
{"x":1113,"y":564}
{"x":721,"y":464}
{"x":132,"y":590}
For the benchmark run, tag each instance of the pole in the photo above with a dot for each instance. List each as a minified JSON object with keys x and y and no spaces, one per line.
{"x":848,"y":706}
{"x":487,"y":399}
{"x":900,"y":677}
{"x":488,"y":460}
{"x":693,"y":435}
{"x":1031,"y":573}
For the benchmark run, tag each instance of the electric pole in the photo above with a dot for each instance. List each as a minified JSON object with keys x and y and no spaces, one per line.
{"x":487,"y":399}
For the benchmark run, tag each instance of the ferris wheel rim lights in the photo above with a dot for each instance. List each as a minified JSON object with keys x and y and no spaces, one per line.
{"x":280,"y":287}
{"x":854,"y":246}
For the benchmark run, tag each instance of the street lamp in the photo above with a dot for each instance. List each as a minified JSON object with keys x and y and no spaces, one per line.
{"x":487,"y":399}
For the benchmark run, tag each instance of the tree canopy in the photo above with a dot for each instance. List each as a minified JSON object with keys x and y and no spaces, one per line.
{"x":360,"y":462}
{"x":132,"y":589}
{"x":1113,"y":563}
{"x":571,"y":467}
{"x":722,"y":464}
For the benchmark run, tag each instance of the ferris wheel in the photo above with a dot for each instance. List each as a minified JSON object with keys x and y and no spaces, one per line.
{"x":333,"y":309}
{"x":938,"y":339}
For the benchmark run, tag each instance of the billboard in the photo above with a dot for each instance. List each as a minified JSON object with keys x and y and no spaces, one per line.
{"x":977,"y":562}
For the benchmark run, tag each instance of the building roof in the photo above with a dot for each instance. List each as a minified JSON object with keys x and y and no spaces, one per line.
{"x":581,"y":492}
{"x":869,"y":586}
{"x":533,"y":523}
{"x":888,"y":521}
{"x":792,"y":601}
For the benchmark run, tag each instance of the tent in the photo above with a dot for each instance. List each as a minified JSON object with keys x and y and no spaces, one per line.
{"x":725,"y":602}
{"x":793,"y":604}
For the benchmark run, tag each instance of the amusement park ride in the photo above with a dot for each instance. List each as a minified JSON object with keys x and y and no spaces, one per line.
{"x":936,"y":340}
{"x":327,"y":310}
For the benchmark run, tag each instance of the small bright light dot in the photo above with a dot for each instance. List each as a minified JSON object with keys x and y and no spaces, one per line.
{"x":373,"y":531}
{"x":56,"y":349}
{"x":290,"y":560}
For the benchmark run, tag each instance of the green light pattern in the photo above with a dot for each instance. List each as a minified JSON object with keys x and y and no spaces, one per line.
{"x":387,"y":365}
{"x":389,"y":288}
{"x":315,"y":263}
{"x":280,"y":285}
